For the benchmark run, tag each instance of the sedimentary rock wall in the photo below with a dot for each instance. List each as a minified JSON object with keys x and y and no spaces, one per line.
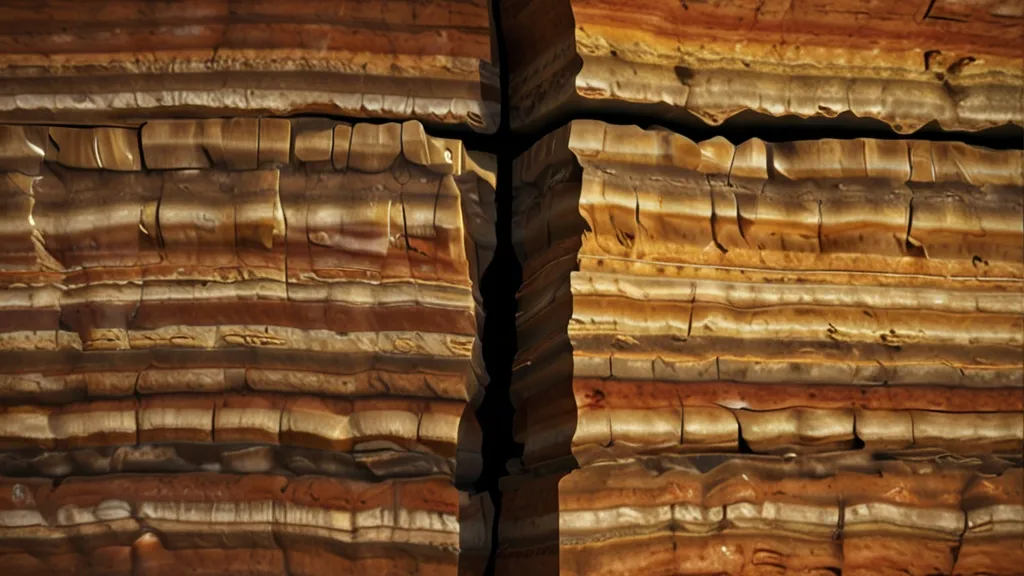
{"x":242,"y":257}
{"x":220,"y":523}
{"x":715,"y":515}
{"x":952,"y":62}
{"x":242,"y":296}
{"x":128,"y":60}
{"x":854,"y":299}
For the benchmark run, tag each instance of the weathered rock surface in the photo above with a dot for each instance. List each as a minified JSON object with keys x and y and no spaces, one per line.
{"x":954,"y":62}
{"x":127,"y":60}
{"x":243,"y":297}
{"x":715,"y":515}
{"x":801,"y":296}
{"x":234,"y":524}
{"x":843,"y":310}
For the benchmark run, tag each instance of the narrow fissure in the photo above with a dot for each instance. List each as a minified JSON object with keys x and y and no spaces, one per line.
{"x":748,"y":125}
{"x":498,"y":289}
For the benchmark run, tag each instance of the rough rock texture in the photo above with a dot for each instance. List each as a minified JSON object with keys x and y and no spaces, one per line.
{"x":127,"y":60}
{"x":810,"y":295}
{"x":232,"y":524}
{"x":845,"y":303}
{"x":955,"y":62}
{"x":715,"y":515}
{"x":244,"y":296}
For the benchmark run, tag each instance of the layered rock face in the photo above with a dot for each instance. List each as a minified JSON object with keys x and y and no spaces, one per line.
{"x":242,"y":249}
{"x":821,"y":515}
{"x":126,"y":61}
{"x":956,"y":63}
{"x":226,"y":524}
{"x":251,"y":342}
{"x":839,"y":322}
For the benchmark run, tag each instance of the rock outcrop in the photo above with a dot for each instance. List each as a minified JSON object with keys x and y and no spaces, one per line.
{"x":952,"y":62}
{"x":851,"y":307}
{"x":243,"y":296}
{"x":127,"y":61}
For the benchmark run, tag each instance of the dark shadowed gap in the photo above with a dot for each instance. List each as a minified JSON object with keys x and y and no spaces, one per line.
{"x":746,"y":125}
{"x":498,"y":287}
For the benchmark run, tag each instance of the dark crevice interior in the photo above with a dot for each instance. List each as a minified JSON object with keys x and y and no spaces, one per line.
{"x":748,"y":124}
{"x":498,"y":287}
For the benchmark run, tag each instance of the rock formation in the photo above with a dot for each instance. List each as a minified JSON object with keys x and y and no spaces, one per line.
{"x":230,"y":300}
{"x":828,"y":311}
{"x":127,"y":61}
{"x":715,"y":515}
{"x":229,"y":524}
{"x":957,"y":63}
{"x":242,"y":296}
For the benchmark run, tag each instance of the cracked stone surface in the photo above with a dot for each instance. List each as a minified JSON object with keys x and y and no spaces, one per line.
{"x":195,"y":312}
{"x":810,"y":314}
{"x":956,"y":63}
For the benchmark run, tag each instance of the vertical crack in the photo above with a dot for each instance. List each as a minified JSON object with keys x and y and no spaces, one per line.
{"x":914,"y":247}
{"x":821,"y":240}
{"x":693,"y":304}
{"x":498,"y":285}
{"x":405,"y":229}
{"x":928,"y":10}
{"x":714,"y":219}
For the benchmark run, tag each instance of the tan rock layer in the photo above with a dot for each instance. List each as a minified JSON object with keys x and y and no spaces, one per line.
{"x":744,"y":514}
{"x":705,"y":330}
{"x":433,"y":62}
{"x":342,"y":425}
{"x":62,"y":379}
{"x":409,"y":199}
{"x":135,"y":524}
{"x":908,"y":65}
{"x":616,"y":420}
{"x":241,"y":448}
{"x":365,"y":439}
{"x":603,"y":433}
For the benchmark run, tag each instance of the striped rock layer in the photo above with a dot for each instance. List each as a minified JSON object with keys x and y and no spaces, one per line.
{"x":237,"y":524}
{"x":820,"y":516}
{"x":243,"y":296}
{"x":125,"y":61}
{"x":957,"y":63}
{"x":837,"y":324}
